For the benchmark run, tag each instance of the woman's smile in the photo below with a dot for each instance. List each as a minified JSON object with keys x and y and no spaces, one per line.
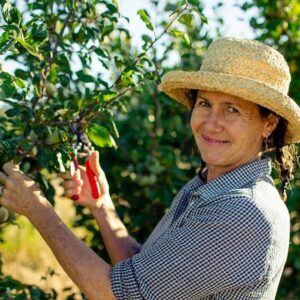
{"x":228,"y":130}
{"x":212,"y":141}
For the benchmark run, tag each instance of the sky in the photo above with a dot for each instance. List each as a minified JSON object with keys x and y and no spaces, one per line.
{"x":236,"y":22}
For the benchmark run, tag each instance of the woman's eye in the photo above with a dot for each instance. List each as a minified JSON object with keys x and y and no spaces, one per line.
{"x":203,"y":103}
{"x":232,"y":109}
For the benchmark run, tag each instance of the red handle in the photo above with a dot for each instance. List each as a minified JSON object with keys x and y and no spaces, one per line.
{"x":92,"y":180}
{"x":75,"y":197}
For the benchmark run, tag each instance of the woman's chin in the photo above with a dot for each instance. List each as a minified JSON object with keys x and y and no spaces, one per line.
{"x":212,"y":161}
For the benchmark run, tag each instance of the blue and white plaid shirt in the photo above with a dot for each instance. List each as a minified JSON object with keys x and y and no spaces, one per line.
{"x":226,"y":239}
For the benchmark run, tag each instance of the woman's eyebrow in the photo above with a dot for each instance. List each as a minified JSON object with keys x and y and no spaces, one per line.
{"x":200,"y":97}
{"x":231,"y":103}
{"x":238,"y":105}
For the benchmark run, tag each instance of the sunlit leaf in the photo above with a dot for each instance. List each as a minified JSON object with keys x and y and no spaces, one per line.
{"x":186,"y":39}
{"x":145,"y":18}
{"x":100,"y":136}
{"x":33,"y":51}
{"x":176,"y":33}
{"x":84,"y":77}
{"x":107,"y":95}
{"x":11,"y":14}
{"x":186,"y":19}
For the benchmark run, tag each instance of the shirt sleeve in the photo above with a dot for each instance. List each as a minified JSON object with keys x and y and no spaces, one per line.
{"x":210,"y":249}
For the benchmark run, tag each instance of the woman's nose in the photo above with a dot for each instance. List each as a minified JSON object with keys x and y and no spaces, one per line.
{"x":214,"y":120}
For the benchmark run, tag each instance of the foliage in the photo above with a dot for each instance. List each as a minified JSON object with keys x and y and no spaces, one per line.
{"x":278,"y":25}
{"x":155,"y":154}
{"x":56,"y":85}
{"x":11,"y":288}
{"x":57,"y":46}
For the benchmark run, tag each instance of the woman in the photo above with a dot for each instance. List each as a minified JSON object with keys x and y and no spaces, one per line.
{"x":226,"y":234}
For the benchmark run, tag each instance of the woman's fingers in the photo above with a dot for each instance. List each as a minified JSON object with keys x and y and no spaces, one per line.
{"x":94,"y":162}
{"x":73,"y":191}
{"x":6,"y":181}
{"x":3,"y":178}
{"x":11,"y":169}
{"x":66,"y":175}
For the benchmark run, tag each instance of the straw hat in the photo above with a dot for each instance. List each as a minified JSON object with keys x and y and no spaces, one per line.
{"x":246,"y":69}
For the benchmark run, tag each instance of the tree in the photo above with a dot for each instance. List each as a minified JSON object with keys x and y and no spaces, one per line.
{"x":56,"y":91}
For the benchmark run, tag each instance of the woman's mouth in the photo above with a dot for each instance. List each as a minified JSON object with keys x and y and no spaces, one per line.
{"x":210,"y":141}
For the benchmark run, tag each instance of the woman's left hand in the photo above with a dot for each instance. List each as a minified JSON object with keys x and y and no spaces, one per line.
{"x":20,"y":193}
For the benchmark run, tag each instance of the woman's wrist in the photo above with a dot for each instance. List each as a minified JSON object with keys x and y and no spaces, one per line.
{"x":105,"y":208}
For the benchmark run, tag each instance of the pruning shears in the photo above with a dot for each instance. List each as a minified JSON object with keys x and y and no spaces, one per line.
{"x":82,"y":148}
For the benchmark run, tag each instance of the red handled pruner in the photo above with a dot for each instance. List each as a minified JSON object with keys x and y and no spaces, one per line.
{"x":82,"y":148}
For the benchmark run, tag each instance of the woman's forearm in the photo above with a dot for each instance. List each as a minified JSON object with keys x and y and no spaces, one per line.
{"x":119,"y":244}
{"x":88,"y":271}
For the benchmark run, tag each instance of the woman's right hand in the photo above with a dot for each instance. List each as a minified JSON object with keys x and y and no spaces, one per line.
{"x":78,"y":184}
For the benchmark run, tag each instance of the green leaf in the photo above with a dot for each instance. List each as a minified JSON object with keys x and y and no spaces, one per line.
{"x":84,"y":77}
{"x":176,"y":33}
{"x":127,"y":77}
{"x":113,"y":128}
{"x":145,"y":18}
{"x":107,"y":95}
{"x":61,"y":166}
{"x":29,"y":48}
{"x":46,"y":187}
{"x":100,"y":136}
{"x":112,"y":8}
{"x":116,"y":3}
{"x":186,"y":39}
{"x":102,"y":53}
{"x":203,"y":19}
{"x":107,"y":29}
{"x":187,"y":20}
{"x":19,"y":82}
{"x":6,"y":42}
{"x":7,"y":86}
{"x":11,"y":14}
{"x":64,"y":79}
{"x":11,"y":112}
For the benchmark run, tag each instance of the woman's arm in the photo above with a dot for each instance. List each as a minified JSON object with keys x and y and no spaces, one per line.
{"x":119,"y":244}
{"x":89,"y":272}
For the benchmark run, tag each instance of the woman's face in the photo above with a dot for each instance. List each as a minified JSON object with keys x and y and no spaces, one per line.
{"x":229,"y":131}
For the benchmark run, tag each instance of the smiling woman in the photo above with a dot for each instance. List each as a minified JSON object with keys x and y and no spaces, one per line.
{"x":226,"y":235}
{"x":229,"y":131}
{"x":240,"y":111}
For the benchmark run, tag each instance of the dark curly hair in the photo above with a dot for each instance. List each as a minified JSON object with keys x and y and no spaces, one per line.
{"x":285,"y":156}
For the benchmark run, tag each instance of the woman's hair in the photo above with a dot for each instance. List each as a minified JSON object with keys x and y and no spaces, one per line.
{"x":285,"y":156}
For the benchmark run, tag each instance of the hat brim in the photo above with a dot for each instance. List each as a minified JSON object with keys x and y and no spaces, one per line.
{"x":177,"y":85}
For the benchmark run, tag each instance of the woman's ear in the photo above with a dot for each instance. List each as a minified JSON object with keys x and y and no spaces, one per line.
{"x":271,"y":123}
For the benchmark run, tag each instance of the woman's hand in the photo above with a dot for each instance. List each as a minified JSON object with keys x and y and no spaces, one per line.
{"x":78,"y":184}
{"x":20,"y":193}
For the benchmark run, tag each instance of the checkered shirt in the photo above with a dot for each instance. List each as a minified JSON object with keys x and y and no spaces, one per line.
{"x":225,"y":239}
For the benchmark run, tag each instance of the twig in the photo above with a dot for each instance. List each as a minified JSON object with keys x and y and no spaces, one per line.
{"x":106,"y":105}
{"x":45,"y":72}
{"x":137,"y":59}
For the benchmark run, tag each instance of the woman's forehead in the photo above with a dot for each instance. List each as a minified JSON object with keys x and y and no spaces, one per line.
{"x":226,"y":98}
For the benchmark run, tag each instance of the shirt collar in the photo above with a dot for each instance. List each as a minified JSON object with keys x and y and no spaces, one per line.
{"x":235,"y":179}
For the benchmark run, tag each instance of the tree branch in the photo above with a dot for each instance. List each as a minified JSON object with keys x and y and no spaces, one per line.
{"x":137,"y":59}
{"x":45,"y":71}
